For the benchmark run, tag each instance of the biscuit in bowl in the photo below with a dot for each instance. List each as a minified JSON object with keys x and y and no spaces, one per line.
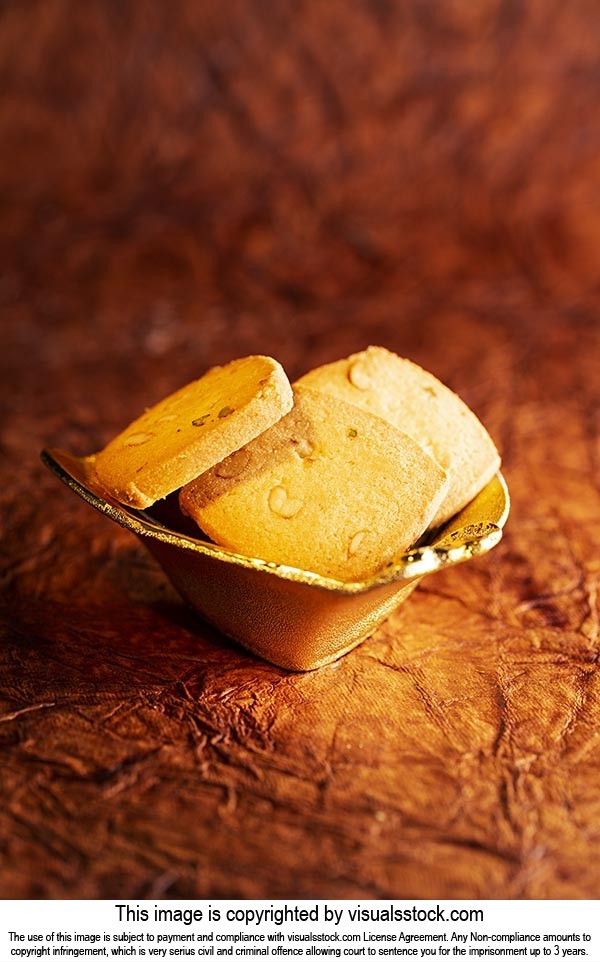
{"x":328,"y":488}
{"x":417,"y":403}
{"x":197,"y":426}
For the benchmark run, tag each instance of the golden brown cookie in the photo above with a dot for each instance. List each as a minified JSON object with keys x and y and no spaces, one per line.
{"x":416,"y":402}
{"x":192,"y":429}
{"x":329,"y":488}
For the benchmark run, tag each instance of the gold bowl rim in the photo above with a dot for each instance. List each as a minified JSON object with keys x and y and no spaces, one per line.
{"x":455,"y":543}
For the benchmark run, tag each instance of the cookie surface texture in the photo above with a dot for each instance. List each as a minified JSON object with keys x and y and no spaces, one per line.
{"x":329,"y":489}
{"x":193,"y":429}
{"x":414,"y":401}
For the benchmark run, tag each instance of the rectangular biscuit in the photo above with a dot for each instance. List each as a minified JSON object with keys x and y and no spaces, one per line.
{"x":329,"y":488}
{"x":189,"y":431}
{"x":414,"y":401}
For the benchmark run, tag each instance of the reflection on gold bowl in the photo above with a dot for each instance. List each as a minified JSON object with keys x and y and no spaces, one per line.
{"x":296,"y":619}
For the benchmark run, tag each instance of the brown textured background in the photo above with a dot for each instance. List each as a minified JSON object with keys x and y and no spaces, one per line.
{"x":187,"y":182}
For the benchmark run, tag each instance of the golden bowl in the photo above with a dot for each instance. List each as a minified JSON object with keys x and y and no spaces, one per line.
{"x":296,"y":619}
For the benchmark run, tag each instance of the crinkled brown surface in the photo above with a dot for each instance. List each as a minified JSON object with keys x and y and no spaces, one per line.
{"x":185,"y":183}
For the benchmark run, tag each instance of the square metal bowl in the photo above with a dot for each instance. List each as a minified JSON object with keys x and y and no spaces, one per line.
{"x":296,"y":619}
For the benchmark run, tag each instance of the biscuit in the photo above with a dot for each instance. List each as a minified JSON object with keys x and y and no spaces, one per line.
{"x":414,"y":401}
{"x":330,"y":489}
{"x":192,"y":429}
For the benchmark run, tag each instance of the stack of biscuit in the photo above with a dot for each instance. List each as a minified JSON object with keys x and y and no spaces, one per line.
{"x":337,"y":474}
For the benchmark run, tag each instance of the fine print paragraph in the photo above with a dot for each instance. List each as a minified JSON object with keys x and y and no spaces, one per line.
{"x":306,"y":930}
